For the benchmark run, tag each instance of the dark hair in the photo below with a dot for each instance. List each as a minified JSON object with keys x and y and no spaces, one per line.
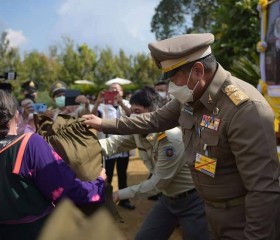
{"x":147,"y":97}
{"x":209,"y":62}
{"x":8,"y":108}
{"x":161,"y":83}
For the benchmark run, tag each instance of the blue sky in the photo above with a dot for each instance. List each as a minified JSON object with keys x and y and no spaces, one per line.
{"x":37,"y":24}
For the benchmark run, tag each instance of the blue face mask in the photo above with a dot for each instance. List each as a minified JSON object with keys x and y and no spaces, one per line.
{"x":60,"y":101}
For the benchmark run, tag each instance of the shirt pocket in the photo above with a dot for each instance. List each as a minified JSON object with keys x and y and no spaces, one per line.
{"x":209,"y":141}
{"x":187,"y":123}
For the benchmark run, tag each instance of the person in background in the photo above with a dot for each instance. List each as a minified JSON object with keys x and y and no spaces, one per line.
{"x":57,"y":93}
{"x":30,"y":90}
{"x":163,"y":155}
{"x":127,"y":95}
{"x":162,"y":89}
{"x":34,"y":178}
{"x":120,"y":107}
{"x":228,"y":133}
{"x":26,"y":122}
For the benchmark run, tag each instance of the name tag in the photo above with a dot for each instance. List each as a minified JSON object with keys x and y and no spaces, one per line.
{"x":205,"y":165}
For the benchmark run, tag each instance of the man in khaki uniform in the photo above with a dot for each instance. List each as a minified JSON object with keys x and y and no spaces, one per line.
{"x":163,"y":155}
{"x":228,"y":135}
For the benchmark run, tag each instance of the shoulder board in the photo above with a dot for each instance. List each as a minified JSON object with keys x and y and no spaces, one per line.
{"x":236,"y":95}
{"x":161,"y":136}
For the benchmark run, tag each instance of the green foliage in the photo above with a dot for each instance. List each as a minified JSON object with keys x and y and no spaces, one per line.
{"x":9,"y":57}
{"x":183,"y":16}
{"x":168,"y":19}
{"x":68,"y":62}
{"x":246,"y":70}
{"x":235,"y":24}
{"x":145,"y":71}
{"x":78,"y":62}
{"x":236,"y":31}
{"x":39,"y":68}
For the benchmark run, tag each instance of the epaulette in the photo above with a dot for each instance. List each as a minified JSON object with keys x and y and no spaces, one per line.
{"x":236,"y":95}
{"x":161,"y":136}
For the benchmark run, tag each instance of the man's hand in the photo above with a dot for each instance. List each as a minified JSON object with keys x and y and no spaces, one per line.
{"x":115,"y":197}
{"x":49,"y":113}
{"x":100,"y":98}
{"x":82,"y":99}
{"x":27,"y":106}
{"x":119,"y":99}
{"x":69,"y":109}
{"x":93,"y":121}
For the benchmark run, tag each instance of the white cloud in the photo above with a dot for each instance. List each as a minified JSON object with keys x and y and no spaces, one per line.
{"x":16,"y":38}
{"x":108,"y":23}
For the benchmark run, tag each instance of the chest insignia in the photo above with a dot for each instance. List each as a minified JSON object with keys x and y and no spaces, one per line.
{"x":188,"y":109}
{"x":210,"y":122}
{"x":169,"y":152}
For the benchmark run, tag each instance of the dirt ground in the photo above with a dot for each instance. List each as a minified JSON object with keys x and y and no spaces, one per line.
{"x":133,"y":219}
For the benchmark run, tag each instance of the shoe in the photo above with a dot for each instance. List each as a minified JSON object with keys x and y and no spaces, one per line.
{"x":127,"y":205}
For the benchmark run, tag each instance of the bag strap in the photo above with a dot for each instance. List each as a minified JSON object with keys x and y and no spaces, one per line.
{"x":21,"y":152}
{"x":12,"y":143}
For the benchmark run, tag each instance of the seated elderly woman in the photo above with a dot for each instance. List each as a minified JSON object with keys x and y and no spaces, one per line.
{"x":33,"y":178}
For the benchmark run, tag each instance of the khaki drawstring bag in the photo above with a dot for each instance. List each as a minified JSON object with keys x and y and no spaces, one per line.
{"x":79,"y":147}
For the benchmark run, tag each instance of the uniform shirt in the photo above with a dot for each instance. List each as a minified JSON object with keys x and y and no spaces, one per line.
{"x":244,"y":146}
{"x":54,"y":178}
{"x":162,"y":154}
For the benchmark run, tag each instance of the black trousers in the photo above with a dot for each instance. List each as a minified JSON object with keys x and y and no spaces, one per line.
{"x":121,"y":165}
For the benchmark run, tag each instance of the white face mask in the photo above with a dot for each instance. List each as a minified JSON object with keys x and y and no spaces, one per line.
{"x":163,"y":94}
{"x":182,"y":93}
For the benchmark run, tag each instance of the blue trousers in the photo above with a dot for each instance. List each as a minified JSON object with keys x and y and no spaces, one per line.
{"x":166,"y":214}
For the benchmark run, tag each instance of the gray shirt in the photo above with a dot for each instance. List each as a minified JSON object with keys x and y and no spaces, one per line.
{"x":162,"y":154}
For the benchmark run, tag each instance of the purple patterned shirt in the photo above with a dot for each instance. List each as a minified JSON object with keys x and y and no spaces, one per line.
{"x":53,"y":176}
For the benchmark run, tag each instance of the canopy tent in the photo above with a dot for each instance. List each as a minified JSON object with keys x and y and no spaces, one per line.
{"x":84,"y":82}
{"x":120,"y":81}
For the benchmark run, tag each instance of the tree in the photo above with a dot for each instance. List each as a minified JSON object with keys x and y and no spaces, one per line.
{"x":234,"y":38}
{"x":78,"y":62}
{"x":106,"y":68}
{"x":9,"y":57}
{"x":145,"y":71}
{"x":169,"y":19}
{"x":40,"y":68}
{"x":175,"y":17}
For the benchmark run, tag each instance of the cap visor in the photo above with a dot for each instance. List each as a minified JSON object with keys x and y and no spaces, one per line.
{"x":58,"y":92}
{"x":165,"y":76}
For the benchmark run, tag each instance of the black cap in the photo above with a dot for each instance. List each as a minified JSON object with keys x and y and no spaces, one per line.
{"x":30,"y":86}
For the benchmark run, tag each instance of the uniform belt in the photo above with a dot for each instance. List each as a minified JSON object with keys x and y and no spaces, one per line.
{"x":183,"y":194}
{"x":227,"y":204}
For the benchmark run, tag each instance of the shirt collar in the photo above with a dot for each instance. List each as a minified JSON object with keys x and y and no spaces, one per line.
{"x":210,"y":96}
